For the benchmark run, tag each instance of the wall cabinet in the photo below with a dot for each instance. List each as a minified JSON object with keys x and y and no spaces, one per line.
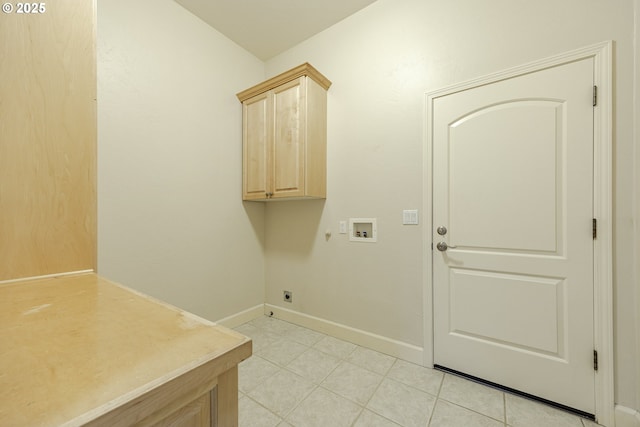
{"x":284,"y":136}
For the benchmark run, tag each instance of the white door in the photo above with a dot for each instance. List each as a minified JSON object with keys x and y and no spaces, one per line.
{"x":513,"y":186}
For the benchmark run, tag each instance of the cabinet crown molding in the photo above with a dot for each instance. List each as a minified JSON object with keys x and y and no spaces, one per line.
{"x":305,"y":69}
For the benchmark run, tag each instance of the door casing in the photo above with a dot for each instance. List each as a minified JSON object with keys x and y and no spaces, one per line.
{"x":602,"y":54}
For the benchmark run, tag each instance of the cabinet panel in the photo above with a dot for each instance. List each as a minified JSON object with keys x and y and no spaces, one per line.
{"x":289,"y":139}
{"x":255,"y":153}
{"x":316,"y":140}
{"x":48,"y":141}
{"x":194,"y":414}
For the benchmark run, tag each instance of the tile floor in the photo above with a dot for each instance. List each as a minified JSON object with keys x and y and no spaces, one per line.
{"x":299,"y":377}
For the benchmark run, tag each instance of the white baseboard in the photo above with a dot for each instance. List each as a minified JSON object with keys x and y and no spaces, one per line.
{"x":627,"y":417}
{"x":401,"y":350}
{"x":242,"y":317}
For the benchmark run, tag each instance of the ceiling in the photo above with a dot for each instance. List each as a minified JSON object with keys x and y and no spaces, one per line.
{"x":269,"y":27}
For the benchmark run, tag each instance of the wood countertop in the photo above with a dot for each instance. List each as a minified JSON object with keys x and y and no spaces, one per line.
{"x":75,"y":348}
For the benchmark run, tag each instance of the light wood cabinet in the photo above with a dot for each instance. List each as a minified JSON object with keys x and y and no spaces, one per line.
{"x":284,"y":136}
{"x":48,"y":140}
{"x":79,"y":350}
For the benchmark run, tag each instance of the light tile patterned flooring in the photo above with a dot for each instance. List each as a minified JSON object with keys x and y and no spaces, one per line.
{"x":299,"y":377}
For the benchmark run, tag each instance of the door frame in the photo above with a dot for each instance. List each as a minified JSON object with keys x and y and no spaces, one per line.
{"x":602,"y":53}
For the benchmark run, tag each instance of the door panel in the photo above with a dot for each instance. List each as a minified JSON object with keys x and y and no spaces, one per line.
{"x":288,"y":146}
{"x":512,"y":303}
{"x":504,"y":169}
{"x":255,"y":146}
{"x":513,"y":184}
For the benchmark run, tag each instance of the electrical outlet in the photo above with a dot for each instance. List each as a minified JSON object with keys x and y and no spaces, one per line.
{"x":288,"y":296}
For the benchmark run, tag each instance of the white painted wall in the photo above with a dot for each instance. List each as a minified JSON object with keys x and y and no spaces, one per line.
{"x":171,"y":222}
{"x":170,"y":218}
{"x":381,"y":61}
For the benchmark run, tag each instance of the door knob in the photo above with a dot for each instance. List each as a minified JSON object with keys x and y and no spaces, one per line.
{"x":442,"y":230}
{"x":442,"y":246}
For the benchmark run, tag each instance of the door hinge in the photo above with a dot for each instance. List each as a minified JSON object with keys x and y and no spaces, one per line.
{"x":594,"y":228}
{"x":595,"y":360}
{"x":595,"y":96}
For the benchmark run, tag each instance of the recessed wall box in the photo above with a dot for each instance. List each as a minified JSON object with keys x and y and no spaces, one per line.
{"x":363,"y":230}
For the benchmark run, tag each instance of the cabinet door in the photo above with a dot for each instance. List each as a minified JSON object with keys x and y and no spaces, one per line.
{"x":289,"y":135}
{"x":255,"y":146}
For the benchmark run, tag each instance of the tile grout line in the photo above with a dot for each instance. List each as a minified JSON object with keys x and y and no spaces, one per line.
{"x":246,"y":395}
{"x":265,"y":408}
{"x":279,"y":329}
{"x":341,"y":360}
{"x":355,"y":420}
{"x":375,"y":391}
{"x":344,"y":359}
{"x":319,"y":384}
{"x":436,"y":401}
{"x":482,"y":414}
{"x":384,"y":376}
{"x":504,"y":408}
{"x":363,"y":407}
{"x":265,"y":379}
{"x":284,"y":418}
{"x":280,"y":368}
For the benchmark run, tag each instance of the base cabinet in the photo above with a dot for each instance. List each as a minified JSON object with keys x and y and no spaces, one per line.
{"x":194,"y":414}
{"x":284,"y":136}
{"x":109,"y":356}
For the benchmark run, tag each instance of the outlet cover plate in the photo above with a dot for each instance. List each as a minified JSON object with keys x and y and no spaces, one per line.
{"x":410,"y":217}
{"x":287,"y":296}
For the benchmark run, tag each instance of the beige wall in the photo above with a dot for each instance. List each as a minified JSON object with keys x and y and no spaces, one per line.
{"x":381,"y":62}
{"x":170,"y":217}
{"x":171,"y":222}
